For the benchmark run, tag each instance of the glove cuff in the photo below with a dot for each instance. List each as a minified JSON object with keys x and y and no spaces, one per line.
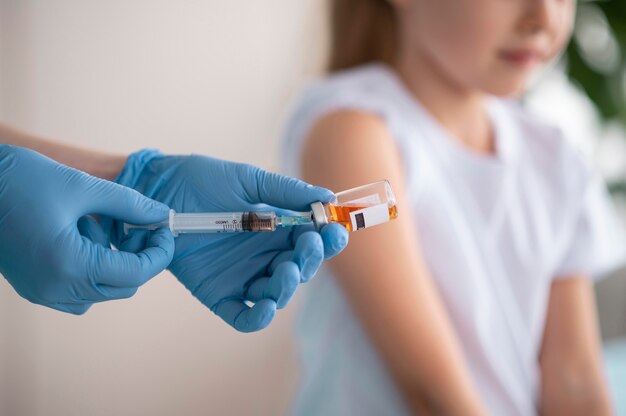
{"x":135,"y":164}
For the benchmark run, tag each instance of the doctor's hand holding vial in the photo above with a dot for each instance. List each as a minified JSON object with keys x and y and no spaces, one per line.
{"x":55,"y":253}
{"x":226,"y":271}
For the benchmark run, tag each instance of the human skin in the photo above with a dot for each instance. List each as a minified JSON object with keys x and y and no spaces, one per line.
{"x":99,"y":164}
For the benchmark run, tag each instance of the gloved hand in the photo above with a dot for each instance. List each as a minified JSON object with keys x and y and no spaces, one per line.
{"x":56,"y":256}
{"x":224,"y":271}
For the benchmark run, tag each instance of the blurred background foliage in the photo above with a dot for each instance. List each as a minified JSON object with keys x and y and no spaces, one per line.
{"x":596,"y":61}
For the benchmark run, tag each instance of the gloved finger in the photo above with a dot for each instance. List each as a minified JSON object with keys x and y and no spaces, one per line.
{"x":134,"y":241}
{"x":296,"y":232}
{"x":308,"y":254}
{"x":286,"y":255}
{"x":123,"y":269}
{"x":280,"y":258}
{"x":282,"y":191}
{"x":89,"y":227}
{"x":111,"y":293}
{"x":244,"y":318}
{"x":103,"y":293}
{"x":335,"y":238}
{"x":122,"y":203}
{"x":280,"y":287}
{"x":73,"y":308}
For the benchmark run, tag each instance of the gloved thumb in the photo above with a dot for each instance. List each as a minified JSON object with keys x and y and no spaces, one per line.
{"x":89,"y":227}
{"x":123,"y":203}
{"x":130,"y":270}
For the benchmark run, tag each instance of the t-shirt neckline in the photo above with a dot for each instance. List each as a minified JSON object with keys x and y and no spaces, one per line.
{"x":504,"y":137}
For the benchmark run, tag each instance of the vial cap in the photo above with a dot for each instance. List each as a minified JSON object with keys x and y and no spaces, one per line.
{"x":319,"y":215}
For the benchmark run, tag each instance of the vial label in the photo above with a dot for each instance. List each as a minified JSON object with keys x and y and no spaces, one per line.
{"x":370,"y":216}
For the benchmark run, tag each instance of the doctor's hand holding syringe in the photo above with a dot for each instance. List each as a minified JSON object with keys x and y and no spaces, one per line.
{"x":55,"y":253}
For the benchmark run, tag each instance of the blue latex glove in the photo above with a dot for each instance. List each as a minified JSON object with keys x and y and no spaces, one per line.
{"x":225,"y":270}
{"x":52,"y":253}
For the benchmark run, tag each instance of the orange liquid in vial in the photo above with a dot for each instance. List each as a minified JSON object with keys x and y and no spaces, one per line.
{"x":341,"y":213}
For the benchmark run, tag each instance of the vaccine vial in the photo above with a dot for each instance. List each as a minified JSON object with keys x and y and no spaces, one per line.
{"x":358,"y":208}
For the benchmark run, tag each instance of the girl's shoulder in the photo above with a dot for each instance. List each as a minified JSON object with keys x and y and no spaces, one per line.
{"x":370,"y":87}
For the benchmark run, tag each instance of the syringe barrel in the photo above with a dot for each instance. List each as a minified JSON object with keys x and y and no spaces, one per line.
{"x":222,"y":222}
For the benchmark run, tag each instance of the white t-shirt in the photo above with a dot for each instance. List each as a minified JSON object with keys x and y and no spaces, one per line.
{"x":495,"y":232}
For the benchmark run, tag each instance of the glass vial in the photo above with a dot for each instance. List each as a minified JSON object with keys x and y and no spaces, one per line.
{"x":358,"y":208}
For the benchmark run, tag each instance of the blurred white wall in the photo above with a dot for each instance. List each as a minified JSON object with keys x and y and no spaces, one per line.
{"x":3,"y":303}
{"x":2,"y":61}
{"x":201,"y":76}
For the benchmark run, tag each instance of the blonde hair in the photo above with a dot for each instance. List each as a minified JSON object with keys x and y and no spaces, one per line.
{"x":362,"y":31}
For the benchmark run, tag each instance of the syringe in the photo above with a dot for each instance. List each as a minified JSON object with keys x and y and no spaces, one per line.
{"x":355,"y":209}
{"x":225,"y":222}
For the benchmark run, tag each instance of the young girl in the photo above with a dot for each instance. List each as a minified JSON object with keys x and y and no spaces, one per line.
{"x":478,"y":299}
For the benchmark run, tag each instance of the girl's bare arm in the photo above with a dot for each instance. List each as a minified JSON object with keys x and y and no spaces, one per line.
{"x":573,"y":381}
{"x":383,"y":274}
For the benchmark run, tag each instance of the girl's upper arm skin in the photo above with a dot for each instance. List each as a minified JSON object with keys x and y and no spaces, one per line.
{"x":570,"y":359}
{"x":382,"y":272}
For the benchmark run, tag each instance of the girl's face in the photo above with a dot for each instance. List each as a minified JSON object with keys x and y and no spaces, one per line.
{"x":488,"y":45}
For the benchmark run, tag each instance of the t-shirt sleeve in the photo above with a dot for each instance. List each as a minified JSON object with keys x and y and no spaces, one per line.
{"x":331,"y":96}
{"x":317,"y":102}
{"x":596,"y":244}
